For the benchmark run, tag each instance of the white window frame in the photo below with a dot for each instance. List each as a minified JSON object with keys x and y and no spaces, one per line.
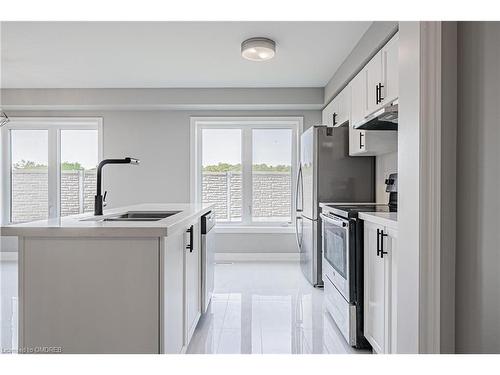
{"x":53,"y":125}
{"x":246,"y":124}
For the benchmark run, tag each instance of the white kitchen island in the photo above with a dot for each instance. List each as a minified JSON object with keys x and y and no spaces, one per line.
{"x":116,"y":283}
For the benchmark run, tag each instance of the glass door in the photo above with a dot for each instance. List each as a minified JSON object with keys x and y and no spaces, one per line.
{"x":335,"y":243}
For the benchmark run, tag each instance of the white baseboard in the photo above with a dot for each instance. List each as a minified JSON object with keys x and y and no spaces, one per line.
{"x":256,"y":257}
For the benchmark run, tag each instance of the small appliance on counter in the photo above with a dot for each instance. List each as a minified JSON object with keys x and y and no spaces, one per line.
{"x":342,"y":234}
{"x":392,"y":189}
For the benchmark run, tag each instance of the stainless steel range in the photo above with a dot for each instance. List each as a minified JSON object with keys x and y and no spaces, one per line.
{"x":342,"y":234}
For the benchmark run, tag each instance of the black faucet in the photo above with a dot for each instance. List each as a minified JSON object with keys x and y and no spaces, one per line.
{"x":99,"y":199}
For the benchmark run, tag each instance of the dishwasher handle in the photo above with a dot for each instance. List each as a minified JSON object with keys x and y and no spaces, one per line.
{"x":207,"y":222}
{"x":191,"y":239}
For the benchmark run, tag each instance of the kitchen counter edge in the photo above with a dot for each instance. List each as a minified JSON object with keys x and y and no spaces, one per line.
{"x":73,"y":226}
{"x":389,"y":219}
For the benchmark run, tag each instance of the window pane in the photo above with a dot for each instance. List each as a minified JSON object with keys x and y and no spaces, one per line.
{"x":221,"y":160}
{"x":29,"y":189}
{"x":79,"y":157}
{"x":272,"y":175}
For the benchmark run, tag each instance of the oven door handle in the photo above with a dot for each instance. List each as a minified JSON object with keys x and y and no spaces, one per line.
{"x":335,"y":221}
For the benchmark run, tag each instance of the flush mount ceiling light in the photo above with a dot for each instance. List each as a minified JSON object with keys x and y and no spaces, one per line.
{"x":258,"y":49}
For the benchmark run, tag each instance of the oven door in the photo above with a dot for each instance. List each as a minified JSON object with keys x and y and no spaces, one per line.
{"x":336,"y":252}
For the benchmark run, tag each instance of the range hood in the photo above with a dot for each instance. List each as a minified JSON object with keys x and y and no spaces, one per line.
{"x":384,"y":119}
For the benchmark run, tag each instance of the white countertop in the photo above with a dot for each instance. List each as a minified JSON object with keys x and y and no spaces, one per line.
{"x":389,"y":219}
{"x":83,"y":225}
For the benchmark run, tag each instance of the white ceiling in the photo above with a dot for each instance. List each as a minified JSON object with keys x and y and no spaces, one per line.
{"x":171,"y":54}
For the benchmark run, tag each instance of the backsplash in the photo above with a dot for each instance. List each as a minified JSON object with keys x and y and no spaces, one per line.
{"x":385,"y":164}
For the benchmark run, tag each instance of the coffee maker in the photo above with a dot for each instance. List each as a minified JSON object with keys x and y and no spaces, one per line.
{"x":392,"y":188}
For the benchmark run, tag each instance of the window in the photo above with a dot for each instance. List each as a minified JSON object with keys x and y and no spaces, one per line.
{"x":29,"y":175}
{"x":272,"y":175}
{"x":51,"y":164}
{"x":78,"y":177}
{"x":246,"y":166}
{"x":221,"y":174}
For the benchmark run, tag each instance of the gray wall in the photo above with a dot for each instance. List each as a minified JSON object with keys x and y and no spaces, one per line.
{"x":370,"y":43}
{"x":478,"y":187}
{"x":161,"y":140}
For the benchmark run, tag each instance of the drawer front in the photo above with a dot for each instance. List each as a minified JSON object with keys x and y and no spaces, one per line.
{"x":333,"y":343}
{"x":340,"y":311}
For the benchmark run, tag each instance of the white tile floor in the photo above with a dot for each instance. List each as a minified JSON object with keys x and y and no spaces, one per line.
{"x":266,"y":307}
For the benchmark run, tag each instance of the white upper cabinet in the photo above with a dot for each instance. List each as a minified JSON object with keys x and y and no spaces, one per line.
{"x":390,"y":63}
{"x":363,"y":142}
{"x":337,"y":112}
{"x":376,"y":85}
{"x":358,"y":98}
{"x":327,"y":114}
{"x":342,"y":107}
{"x":382,"y":76}
{"x":374,"y":82}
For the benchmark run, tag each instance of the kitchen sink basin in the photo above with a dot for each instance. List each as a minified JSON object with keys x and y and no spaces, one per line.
{"x":137,"y":216}
{"x":142,"y":216}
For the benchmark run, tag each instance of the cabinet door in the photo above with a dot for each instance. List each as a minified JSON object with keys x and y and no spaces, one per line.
{"x":373,"y":79}
{"x":374,"y":289}
{"x":358,"y":98}
{"x":392,"y":245}
{"x":173,"y":293}
{"x":192,"y":279}
{"x":357,"y":141}
{"x":342,"y":108}
{"x":390,"y":62}
{"x":327,"y":114}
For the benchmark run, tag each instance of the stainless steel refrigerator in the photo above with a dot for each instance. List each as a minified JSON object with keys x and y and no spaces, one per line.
{"x":326,"y":174}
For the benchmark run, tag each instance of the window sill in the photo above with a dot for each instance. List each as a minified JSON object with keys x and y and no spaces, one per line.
{"x":221,"y":228}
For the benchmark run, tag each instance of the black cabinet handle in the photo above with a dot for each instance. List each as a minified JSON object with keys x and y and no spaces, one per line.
{"x":378,"y":242}
{"x":334,"y":118}
{"x":191,"y":236}
{"x":380,"y":99}
{"x":382,"y":252}
{"x":361,"y":144}
{"x":376,"y":95}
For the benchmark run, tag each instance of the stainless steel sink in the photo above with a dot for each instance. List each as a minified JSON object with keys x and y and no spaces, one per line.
{"x":136,"y":216}
{"x":142,"y":216}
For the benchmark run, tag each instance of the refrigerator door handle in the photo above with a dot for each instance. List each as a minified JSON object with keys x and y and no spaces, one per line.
{"x":299,"y":188}
{"x":299,"y":239}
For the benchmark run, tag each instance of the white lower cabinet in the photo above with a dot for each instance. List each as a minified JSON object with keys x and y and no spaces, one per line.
{"x":380,"y":244}
{"x":173,"y":294}
{"x":192,"y":279}
{"x":181,"y":288}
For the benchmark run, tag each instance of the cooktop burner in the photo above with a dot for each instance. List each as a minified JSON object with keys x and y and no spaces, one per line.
{"x":352,"y":210}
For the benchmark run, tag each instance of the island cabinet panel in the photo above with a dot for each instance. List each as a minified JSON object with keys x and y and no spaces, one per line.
{"x":173,"y":340}
{"x":90,"y":295}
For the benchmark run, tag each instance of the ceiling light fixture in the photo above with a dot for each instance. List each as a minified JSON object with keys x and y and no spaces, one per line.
{"x":258,"y":49}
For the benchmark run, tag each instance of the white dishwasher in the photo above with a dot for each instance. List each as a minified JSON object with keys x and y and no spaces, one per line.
{"x":207,"y":258}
